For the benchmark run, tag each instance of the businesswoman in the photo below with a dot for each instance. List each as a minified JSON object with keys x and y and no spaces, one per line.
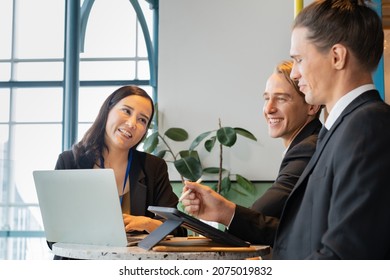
{"x":111,"y":142}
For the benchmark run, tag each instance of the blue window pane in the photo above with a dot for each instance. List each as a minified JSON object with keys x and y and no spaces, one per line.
{"x":4,"y":105}
{"x":5,"y":163}
{"x":82,"y":129}
{"x":111,"y":30}
{"x":5,"y":29}
{"x":38,"y":71}
{"x":90,"y":101}
{"x":36,"y":146}
{"x":143,"y":70}
{"x":5,"y":71}
{"x":107,"y":70}
{"x":24,"y":248}
{"x":38,"y":105}
{"x":40,"y":26}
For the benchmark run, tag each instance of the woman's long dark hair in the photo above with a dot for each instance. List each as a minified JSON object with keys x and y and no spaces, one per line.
{"x":90,"y":148}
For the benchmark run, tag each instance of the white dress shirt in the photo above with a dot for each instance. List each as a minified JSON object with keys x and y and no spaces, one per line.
{"x":343,"y":102}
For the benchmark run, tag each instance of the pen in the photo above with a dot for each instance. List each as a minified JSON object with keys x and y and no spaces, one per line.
{"x":187,"y":192}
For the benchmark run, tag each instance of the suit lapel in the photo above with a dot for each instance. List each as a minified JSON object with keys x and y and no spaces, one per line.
{"x":309,"y":129}
{"x":138,"y":190}
{"x":361,"y":99}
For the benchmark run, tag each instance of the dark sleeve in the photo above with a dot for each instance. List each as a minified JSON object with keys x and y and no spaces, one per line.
{"x":271,"y":203}
{"x":66,"y":161}
{"x":253,"y":226}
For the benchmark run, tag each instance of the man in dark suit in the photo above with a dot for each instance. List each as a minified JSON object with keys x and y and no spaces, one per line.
{"x":339,"y":206}
{"x":297,"y":123}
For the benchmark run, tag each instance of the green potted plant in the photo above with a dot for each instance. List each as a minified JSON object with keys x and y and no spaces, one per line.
{"x":188,"y":163}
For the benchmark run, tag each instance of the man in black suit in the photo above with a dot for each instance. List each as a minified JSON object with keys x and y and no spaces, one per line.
{"x":297,"y":123}
{"x":339,"y":206}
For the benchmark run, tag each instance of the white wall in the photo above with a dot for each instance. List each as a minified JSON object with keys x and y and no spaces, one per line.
{"x":214,"y":59}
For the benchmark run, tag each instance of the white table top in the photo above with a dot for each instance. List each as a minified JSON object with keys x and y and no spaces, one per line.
{"x":93,"y":252}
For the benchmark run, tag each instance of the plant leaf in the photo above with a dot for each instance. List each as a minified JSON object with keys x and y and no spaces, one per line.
{"x":177,"y":134}
{"x":227,"y":136}
{"x":189,"y":153}
{"x":189,"y":168}
{"x":199,"y":139}
{"x":151,"y":142}
{"x":161,"y":154}
{"x":225,"y":185}
{"x":245,"y":133}
{"x":245,"y":184}
{"x":240,"y":192}
{"x":213,"y":187}
{"x":211,"y":170}
{"x":209,"y":144}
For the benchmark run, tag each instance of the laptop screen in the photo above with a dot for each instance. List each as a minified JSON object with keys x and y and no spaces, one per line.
{"x":80,"y":206}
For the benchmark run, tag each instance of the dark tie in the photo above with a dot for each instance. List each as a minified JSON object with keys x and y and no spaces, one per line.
{"x":322,"y":133}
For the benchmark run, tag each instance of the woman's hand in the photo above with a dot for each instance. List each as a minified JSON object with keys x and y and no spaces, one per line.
{"x":140,"y":223}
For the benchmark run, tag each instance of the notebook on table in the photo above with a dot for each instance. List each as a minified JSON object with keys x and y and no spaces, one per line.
{"x":82,"y":207}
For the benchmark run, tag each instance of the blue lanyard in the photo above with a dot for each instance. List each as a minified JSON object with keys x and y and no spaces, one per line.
{"x":127,"y":172}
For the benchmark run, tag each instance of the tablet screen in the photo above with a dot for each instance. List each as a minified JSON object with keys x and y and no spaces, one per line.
{"x":194,"y":224}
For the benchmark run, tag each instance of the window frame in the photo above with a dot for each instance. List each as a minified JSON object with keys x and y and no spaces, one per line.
{"x":71,"y":61}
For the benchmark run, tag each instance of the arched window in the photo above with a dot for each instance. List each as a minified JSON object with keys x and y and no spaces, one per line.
{"x":114,"y":52}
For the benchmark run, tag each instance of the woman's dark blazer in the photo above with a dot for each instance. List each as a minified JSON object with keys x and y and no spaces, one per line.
{"x":149,"y":181}
{"x":272,"y":202}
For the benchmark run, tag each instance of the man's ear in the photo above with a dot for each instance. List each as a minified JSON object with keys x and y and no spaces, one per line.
{"x":313,"y":109}
{"x":339,"y":55}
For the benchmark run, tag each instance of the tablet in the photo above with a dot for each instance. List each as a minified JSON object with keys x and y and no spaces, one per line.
{"x":175,"y":218}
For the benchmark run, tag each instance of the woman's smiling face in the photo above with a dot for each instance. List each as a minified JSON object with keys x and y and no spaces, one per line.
{"x":127,"y":122}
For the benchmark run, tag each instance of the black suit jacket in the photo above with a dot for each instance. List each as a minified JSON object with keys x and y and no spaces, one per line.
{"x":297,"y":156}
{"x":339,"y":206}
{"x":265,"y":212}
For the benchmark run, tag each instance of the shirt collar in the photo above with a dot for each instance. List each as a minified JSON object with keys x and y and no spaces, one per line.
{"x":343,"y":102}
{"x":285,"y":151}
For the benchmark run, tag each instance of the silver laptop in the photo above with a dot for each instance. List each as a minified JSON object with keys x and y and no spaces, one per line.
{"x":80,"y":206}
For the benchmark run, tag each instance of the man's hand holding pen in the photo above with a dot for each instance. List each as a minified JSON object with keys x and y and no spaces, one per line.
{"x":202,"y":202}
